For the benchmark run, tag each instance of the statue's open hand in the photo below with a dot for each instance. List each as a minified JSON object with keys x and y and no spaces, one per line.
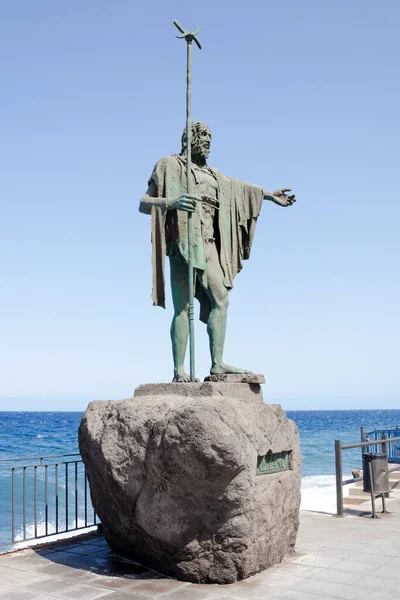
{"x":283,"y":199}
{"x":185,"y":202}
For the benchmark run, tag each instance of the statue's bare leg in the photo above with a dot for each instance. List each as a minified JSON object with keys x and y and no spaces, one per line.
{"x":180,"y":320}
{"x":216,"y":325}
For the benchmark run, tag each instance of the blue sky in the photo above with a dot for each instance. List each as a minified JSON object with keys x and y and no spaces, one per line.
{"x":303,"y":94}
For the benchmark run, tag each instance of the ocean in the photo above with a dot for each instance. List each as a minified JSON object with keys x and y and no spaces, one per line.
{"x":24,"y":434}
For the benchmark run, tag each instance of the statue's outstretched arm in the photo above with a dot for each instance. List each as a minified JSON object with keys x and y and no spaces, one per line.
{"x":280,"y":197}
{"x":185,"y":202}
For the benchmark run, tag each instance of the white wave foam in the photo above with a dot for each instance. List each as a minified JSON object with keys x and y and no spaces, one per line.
{"x":318,"y":493}
{"x":51,"y":537}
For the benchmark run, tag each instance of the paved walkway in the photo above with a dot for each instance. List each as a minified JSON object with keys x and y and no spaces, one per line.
{"x":350,"y":558}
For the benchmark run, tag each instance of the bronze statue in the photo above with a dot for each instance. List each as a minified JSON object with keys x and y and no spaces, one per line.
{"x":224,"y":212}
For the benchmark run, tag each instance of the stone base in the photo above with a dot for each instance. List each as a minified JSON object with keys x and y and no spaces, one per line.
{"x":236,"y":378}
{"x":240,"y":391}
{"x":178,"y":479}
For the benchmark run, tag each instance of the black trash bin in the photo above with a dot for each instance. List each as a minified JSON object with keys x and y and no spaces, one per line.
{"x":380,"y":473}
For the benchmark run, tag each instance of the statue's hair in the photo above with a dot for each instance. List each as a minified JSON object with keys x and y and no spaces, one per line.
{"x":197,"y":126}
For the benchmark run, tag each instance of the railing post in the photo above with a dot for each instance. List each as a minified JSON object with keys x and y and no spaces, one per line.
{"x":339,"y":477}
{"x":362,"y":439}
{"x":385,"y":448}
{"x":12,"y":504}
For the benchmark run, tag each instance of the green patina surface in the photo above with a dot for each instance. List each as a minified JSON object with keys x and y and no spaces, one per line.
{"x":273,"y":463}
{"x":205,"y":222}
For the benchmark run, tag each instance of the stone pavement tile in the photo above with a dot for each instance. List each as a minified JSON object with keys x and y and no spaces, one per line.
{"x":393,"y":562}
{"x":131,"y":595}
{"x":380,"y":584}
{"x":332,"y":552}
{"x":100,"y":542}
{"x":90,"y":545}
{"x":346,"y":545}
{"x":84,"y":561}
{"x":81,"y":592}
{"x":352,"y":566}
{"x":61,"y":556}
{"x":341,"y":590}
{"x":368,"y":558}
{"x":67,"y":546}
{"x":250,"y":590}
{"x":229,"y":597}
{"x":296,"y":569}
{"x":190,"y":593}
{"x":48,"y":585}
{"x":8,"y":592}
{"x":264,"y":593}
{"x":158,"y":587}
{"x":319,"y":540}
{"x":21,"y":579}
{"x":335,"y":576}
{"x":232,"y":597}
{"x":314,"y":560}
{"x":393,"y":538}
{"x":4,"y":571}
{"x":76,"y":549}
{"x":66,"y":572}
{"x":115,"y":567}
{"x":382,"y":548}
{"x":387,"y":571}
{"x":45,"y":551}
{"x":304,"y":548}
{"x":275,"y":579}
{"x":101,"y":551}
{"x":297,"y":595}
{"x":116,"y":583}
{"x":23,"y":561}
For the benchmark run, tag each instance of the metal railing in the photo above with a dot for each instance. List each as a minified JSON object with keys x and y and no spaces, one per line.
{"x":45,"y":496}
{"x":339,"y":447}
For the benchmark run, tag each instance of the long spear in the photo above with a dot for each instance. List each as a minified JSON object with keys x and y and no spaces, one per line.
{"x":189,"y":37}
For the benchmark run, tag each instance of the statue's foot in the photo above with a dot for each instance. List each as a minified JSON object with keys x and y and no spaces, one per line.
{"x":224,"y":369}
{"x":182,"y":377}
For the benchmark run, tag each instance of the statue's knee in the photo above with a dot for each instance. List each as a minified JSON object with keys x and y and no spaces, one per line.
{"x":223,"y":301}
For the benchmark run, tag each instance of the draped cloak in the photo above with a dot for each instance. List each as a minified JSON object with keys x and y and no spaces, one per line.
{"x":239,"y":206}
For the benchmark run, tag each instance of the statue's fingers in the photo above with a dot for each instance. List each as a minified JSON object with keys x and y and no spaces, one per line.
{"x":189,"y":205}
{"x":285,"y":190}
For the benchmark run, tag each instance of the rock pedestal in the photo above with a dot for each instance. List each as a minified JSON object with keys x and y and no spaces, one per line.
{"x":200,"y":481}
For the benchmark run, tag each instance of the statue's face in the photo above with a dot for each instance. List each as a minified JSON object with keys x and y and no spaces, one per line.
{"x":202,"y":141}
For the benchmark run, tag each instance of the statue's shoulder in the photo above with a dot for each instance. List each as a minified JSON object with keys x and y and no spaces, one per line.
{"x":172,"y":161}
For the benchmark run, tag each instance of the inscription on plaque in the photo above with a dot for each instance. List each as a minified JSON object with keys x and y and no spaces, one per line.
{"x":273,"y":463}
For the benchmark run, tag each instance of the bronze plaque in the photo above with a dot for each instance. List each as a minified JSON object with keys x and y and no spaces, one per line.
{"x":272,"y":463}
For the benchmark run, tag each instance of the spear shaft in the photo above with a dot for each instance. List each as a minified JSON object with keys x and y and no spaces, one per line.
{"x":189,"y":37}
{"x":190,"y":219}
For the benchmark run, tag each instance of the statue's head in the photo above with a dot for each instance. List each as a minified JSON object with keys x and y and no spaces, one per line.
{"x":201,"y":140}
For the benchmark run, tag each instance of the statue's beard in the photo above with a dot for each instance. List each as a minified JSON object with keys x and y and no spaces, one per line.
{"x":200,"y":152}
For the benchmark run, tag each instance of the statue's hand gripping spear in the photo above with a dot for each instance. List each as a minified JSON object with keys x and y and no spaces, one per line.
{"x":189,"y":37}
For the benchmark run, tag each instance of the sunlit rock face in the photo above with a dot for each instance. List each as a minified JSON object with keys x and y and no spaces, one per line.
{"x":200,"y":481}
